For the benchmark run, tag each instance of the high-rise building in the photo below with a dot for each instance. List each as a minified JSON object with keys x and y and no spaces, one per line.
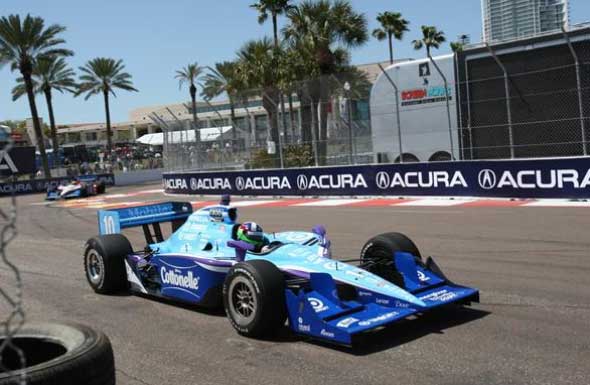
{"x":513,"y":19}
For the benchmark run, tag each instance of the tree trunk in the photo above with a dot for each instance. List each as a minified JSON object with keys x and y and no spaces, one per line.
{"x":193,"y":92}
{"x":36,"y":124}
{"x":54,"y":142}
{"x":292,"y":118}
{"x":275,"y":29}
{"x":269,"y":102}
{"x":323,"y":126}
{"x":108,"y":116}
{"x":232,"y":114}
{"x":390,"y":48}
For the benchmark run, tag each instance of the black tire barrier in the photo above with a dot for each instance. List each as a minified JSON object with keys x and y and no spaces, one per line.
{"x":64,"y":354}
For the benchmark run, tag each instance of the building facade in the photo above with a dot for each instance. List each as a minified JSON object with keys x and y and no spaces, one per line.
{"x":515,"y":19}
{"x":248,"y":116}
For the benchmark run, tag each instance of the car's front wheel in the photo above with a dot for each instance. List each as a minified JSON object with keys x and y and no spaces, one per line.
{"x":254,"y":298}
{"x":104,"y":263}
{"x":377,"y":255}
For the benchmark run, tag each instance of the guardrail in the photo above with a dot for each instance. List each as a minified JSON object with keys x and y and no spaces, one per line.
{"x":534,"y":178}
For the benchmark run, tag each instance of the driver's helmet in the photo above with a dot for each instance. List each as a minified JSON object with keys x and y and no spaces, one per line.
{"x":251,"y":232}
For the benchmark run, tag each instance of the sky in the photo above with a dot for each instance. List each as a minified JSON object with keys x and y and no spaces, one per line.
{"x":155,"y":38}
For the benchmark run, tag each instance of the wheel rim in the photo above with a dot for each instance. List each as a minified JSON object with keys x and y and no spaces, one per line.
{"x":95,"y":267}
{"x":243,"y":303}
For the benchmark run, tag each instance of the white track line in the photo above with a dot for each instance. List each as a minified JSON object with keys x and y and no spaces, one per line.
{"x":436,"y":202}
{"x":331,"y":202}
{"x":251,"y":203}
{"x":557,"y":203}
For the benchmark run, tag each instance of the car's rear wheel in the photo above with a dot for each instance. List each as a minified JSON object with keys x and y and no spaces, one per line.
{"x":254,"y":298}
{"x":377,"y":255}
{"x":104,"y":263}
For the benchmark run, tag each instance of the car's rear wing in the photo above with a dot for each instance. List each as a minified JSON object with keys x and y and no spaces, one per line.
{"x":115,"y":220}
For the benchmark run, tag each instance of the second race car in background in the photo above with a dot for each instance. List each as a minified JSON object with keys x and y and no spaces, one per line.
{"x":77,"y":188}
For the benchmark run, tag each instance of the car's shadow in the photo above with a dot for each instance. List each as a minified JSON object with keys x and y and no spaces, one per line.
{"x":396,"y":334}
{"x":399,"y":333}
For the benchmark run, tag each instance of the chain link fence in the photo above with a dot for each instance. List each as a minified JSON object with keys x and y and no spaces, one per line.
{"x":12,"y":314}
{"x":526,"y":112}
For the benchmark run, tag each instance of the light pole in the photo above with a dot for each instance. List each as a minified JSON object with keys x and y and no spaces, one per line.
{"x":349,"y":108}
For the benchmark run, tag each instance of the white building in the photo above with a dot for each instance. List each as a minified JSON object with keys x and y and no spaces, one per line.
{"x":514,"y":19}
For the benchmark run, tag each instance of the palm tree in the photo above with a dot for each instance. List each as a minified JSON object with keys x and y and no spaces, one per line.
{"x":51,"y":73}
{"x":190,"y":75}
{"x":457,"y":46}
{"x":274,"y":8}
{"x":325,"y":26}
{"x":22,"y":44}
{"x":223,"y":78}
{"x":257,"y":69}
{"x":431,"y":38}
{"x":393,"y":25}
{"x":103,"y":75}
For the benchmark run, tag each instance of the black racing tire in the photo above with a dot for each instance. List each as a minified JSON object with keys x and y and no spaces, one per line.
{"x":254,"y":298}
{"x":104,"y":263}
{"x":381,"y":248}
{"x":100,"y":187}
{"x":67,"y":354}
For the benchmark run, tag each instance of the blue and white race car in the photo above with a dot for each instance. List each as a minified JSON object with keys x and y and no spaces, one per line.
{"x":76,"y":188}
{"x":293,"y":278}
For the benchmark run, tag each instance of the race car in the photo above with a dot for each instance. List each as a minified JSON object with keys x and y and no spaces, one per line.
{"x":292,"y":280}
{"x":76,"y":188}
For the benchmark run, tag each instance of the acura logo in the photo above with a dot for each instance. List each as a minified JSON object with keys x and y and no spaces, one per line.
{"x":382,"y":179}
{"x":487,"y":179}
{"x":193,"y":183}
{"x":302,"y":182}
{"x":240,"y":184}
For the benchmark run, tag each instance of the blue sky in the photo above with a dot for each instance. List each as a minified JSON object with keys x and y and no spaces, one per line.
{"x":155,"y":38}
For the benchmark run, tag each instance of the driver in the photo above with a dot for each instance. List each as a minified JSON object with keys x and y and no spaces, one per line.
{"x":253,"y":234}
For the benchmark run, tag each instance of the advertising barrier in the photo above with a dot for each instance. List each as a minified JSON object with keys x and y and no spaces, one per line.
{"x":18,"y":160}
{"x":538,"y":178}
{"x":41,"y":185}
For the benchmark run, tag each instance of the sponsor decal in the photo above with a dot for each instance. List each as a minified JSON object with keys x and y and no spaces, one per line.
{"x":262,"y":183}
{"x":327,"y":181}
{"x":6,"y":162}
{"x":216,"y":215}
{"x":346,"y":322}
{"x":210,"y":184}
{"x":301,"y":327}
{"x":326,"y":333}
{"x":418,"y":179}
{"x":365,"y":294}
{"x":534,"y":179}
{"x":439,"y":296}
{"x":425,"y":95}
{"x":382,"y":301}
{"x":422,"y":277}
{"x":176,"y":277}
{"x":304,"y":328}
{"x":381,"y":318}
{"x":317,"y":305}
{"x":177,"y":183}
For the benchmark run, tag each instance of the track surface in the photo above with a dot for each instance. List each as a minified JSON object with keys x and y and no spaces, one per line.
{"x":531,"y":264}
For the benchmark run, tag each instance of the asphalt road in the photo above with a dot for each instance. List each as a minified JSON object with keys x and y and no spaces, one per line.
{"x":531,"y":327}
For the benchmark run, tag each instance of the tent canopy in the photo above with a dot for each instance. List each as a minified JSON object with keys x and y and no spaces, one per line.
{"x":209,"y":134}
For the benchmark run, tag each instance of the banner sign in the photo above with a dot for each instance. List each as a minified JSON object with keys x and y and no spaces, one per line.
{"x":41,"y":185}
{"x":18,"y":160}
{"x":538,"y":178}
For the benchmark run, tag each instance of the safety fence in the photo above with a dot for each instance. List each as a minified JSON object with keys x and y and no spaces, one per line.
{"x":534,"y":114}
